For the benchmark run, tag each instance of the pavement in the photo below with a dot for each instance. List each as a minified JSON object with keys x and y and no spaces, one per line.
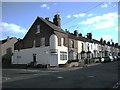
{"x":72,"y":68}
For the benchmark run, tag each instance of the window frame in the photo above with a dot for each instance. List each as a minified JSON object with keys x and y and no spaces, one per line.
{"x":63,"y":55}
{"x":42,"y":43}
{"x":72,"y":43}
{"x":62,"y":41}
{"x":38,"y":29}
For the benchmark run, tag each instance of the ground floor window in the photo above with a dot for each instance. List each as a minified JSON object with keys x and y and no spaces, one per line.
{"x":63,"y":55}
{"x":83,"y":55}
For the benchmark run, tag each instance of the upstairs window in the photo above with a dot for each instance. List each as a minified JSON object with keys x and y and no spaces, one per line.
{"x":82,"y":47}
{"x":72,"y":43}
{"x":91,"y":46}
{"x":62,"y":41}
{"x":38,"y":29}
{"x":42,"y":41}
{"x":34,"y":42}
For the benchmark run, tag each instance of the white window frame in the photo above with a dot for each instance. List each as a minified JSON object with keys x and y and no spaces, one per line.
{"x":38,"y":29}
{"x":72,"y":43}
{"x":42,"y":41}
{"x":62,"y":41}
{"x":63,"y":55}
{"x":34,"y":43}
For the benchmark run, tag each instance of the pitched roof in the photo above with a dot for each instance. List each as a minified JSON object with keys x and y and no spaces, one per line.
{"x":70,"y":35}
{"x":4,"y":41}
{"x":52,"y":25}
{"x":96,"y":41}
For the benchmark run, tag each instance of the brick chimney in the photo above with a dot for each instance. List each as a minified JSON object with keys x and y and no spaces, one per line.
{"x":116,"y":44}
{"x":57,"y":20}
{"x":76,"y":33}
{"x":89,"y":35}
{"x":8,"y":38}
{"x":112,"y":43}
{"x":101,"y":40}
{"x":80,"y":34}
{"x":104,"y":41}
{"x":108,"y":42}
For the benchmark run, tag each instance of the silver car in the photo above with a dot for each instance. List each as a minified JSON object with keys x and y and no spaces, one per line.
{"x":111,"y":58}
{"x":105,"y":59}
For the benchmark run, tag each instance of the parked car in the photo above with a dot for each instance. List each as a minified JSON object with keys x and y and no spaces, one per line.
{"x":115,"y":58}
{"x":111,"y":58}
{"x":118,"y":57}
{"x":105,"y":59}
{"x":96,"y":59}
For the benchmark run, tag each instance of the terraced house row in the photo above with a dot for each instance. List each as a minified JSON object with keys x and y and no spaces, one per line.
{"x":47,"y":44}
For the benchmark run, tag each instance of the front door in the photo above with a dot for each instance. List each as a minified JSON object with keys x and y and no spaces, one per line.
{"x":54,"y":60}
{"x":34,"y":59}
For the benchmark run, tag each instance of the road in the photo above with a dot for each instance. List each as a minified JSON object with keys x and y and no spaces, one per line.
{"x":103,"y":75}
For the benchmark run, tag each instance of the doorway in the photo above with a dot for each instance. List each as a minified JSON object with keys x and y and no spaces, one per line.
{"x":54,"y":60}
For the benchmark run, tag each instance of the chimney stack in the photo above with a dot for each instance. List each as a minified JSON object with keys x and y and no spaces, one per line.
{"x":8,"y":38}
{"x":108,"y":42}
{"x":76,"y":33}
{"x":116,"y":44}
{"x":57,"y":20}
{"x":104,"y":41}
{"x":89,"y":35}
{"x":101,"y":40}
{"x":80,"y":34}
{"x":112,"y":43}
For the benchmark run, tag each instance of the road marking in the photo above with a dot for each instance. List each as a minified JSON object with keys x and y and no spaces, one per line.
{"x":116,"y":85}
{"x":91,"y":76}
{"x":60,"y":77}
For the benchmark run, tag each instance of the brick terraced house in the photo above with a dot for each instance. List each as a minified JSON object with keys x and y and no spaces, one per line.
{"x":47,"y":44}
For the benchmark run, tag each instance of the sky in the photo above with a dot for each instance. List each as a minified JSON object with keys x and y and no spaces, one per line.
{"x":99,"y":18}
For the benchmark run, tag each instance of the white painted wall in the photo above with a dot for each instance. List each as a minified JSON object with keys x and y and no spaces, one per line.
{"x":80,"y":46}
{"x":65,"y":49}
{"x":95,"y":46}
{"x":42,"y":55}
{"x":53,"y":41}
{"x":91,"y":47}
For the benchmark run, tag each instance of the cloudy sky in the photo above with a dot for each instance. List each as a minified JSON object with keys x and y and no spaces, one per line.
{"x":99,"y":18}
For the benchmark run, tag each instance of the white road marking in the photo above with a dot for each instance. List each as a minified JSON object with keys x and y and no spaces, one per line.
{"x":91,"y":76}
{"x":116,"y":85}
{"x":59,"y":77}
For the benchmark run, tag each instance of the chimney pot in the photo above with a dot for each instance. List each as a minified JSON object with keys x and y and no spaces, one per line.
{"x":47,"y":18}
{"x":89,"y":35}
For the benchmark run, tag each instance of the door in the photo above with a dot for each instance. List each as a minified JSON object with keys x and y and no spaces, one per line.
{"x":54,"y":60}
{"x":34,"y":59}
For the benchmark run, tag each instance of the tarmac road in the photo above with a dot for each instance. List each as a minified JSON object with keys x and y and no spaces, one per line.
{"x":103,"y":75}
